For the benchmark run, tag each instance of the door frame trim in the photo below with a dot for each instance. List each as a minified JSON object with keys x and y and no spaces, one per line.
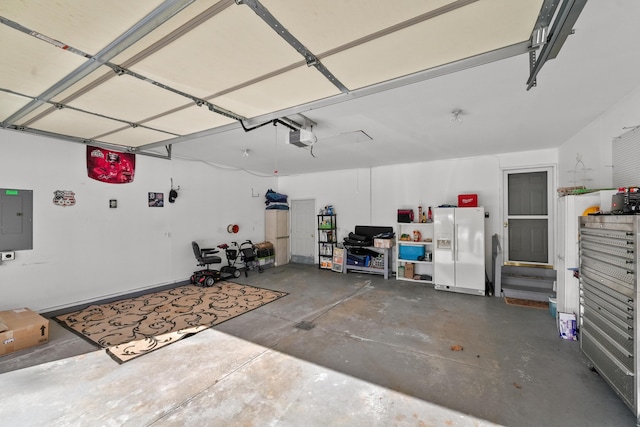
{"x":552,"y":184}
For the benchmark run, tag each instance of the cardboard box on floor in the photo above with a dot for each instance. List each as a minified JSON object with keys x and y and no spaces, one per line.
{"x":23,"y":328}
{"x":567,"y":326}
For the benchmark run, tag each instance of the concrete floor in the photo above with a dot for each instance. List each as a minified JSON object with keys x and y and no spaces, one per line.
{"x":378,"y":354}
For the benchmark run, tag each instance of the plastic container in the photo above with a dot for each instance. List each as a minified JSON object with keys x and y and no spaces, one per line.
{"x":552,"y":306}
{"x":411,"y":253}
{"x":400,"y":272}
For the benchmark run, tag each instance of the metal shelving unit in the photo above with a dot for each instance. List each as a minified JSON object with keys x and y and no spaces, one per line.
{"x":327,"y":239}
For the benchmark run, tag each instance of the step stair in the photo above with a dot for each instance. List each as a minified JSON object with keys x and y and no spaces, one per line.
{"x":530,"y":283}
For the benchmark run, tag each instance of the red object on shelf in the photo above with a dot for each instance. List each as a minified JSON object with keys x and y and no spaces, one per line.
{"x":467,"y":200}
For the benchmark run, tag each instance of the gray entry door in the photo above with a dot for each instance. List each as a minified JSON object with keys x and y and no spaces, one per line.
{"x":527,"y":216}
{"x":303,"y":231}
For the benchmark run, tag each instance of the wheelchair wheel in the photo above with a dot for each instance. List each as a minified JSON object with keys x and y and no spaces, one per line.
{"x":236,"y":273}
{"x":209,"y":281}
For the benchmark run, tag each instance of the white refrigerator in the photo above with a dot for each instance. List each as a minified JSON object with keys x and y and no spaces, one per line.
{"x":458,"y":254}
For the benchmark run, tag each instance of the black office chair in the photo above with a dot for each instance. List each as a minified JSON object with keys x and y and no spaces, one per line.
{"x":205,"y":257}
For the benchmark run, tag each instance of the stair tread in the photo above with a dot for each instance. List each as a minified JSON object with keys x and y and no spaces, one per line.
{"x":525,"y":276}
{"x":529,"y":271}
{"x":539,"y":284}
{"x":528,"y":288}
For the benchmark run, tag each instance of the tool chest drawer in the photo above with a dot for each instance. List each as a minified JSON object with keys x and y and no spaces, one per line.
{"x":621,"y":335}
{"x":618,"y":288}
{"x":608,"y":296}
{"x":617,"y":300}
{"x":621,"y":379}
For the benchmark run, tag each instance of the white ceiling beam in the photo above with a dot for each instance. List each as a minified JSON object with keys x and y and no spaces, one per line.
{"x":149,"y":23}
{"x":309,"y":57}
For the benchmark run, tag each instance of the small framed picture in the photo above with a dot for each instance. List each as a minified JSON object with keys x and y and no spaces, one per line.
{"x":156,"y":200}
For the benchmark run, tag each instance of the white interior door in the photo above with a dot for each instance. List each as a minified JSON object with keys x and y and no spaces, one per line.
{"x":303,"y":231}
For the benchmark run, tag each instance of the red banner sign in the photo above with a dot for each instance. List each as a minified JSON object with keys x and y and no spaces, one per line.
{"x":110,"y":166}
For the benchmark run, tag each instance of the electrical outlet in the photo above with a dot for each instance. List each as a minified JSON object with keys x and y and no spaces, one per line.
{"x":8,"y":256}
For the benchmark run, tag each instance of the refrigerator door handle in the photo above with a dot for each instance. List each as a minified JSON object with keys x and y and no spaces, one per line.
{"x":454,"y":242}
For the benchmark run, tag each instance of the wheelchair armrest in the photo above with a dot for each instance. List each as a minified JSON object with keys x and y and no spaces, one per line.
{"x":208,"y":251}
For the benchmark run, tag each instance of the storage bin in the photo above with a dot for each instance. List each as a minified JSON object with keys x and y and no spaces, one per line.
{"x":411,"y":252}
{"x":266,"y":260}
{"x":377,"y":262}
{"x":359,"y":260}
{"x":553,"y":306}
{"x":382,"y":243}
{"x":468,"y":201}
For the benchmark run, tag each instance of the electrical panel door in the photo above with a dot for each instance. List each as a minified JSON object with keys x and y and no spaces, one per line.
{"x":16,"y":219}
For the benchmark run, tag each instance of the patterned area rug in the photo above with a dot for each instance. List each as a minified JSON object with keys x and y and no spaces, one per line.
{"x":526,"y":303}
{"x":133,"y":327}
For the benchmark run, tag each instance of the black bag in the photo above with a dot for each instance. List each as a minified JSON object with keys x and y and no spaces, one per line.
{"x":354,"y":236}
{"x":263,"y":253}
{"x":405,"y":215}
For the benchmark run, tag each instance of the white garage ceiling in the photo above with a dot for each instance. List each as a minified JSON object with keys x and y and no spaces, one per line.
{"x":378,"y":79}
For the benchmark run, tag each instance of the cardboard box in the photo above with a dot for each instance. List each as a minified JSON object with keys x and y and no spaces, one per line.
{"x":264,"y":245}
{"x":409,"y":270}
{"x":567,"y":326}
{"x":468,"y":201}
{"x":25,"y":328}
{"x":382,"y":243}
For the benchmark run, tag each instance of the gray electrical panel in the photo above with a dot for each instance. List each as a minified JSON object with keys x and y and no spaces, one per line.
{"x":16,"y":219}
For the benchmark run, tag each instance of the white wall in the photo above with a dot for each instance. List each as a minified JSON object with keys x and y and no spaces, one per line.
{"x":373,"y":196}
{"x":89,"y":251}
{"x":593,"y":143}
{"x":350,"y":188}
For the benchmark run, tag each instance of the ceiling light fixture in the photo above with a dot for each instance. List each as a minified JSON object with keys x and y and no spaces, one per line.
{"x":245,"y":153}
{"x":456,"y":116}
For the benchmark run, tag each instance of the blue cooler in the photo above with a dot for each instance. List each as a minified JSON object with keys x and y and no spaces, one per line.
{"x":411,"y":252}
